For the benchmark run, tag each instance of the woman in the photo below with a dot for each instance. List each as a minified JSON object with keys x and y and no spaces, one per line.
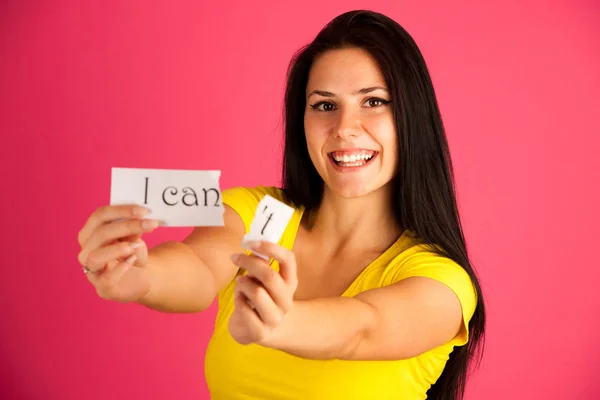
{"x":370,"y":293}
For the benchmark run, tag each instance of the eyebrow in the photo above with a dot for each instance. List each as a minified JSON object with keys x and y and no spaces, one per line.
{"x":361,"y":91}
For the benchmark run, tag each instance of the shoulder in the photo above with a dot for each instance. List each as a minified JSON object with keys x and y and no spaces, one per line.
{"x":415,"y":256}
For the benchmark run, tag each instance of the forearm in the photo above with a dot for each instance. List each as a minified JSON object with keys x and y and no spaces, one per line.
{"x":179,"y":282}
{"x":327,"y":328}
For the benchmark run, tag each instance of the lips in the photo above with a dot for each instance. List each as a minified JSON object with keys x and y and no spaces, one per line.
{"x":352,"y":157}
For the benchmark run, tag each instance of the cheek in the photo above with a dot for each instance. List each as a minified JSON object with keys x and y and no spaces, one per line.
{"x":390,"y":143}
{"x":392,"y":153}
{"x":384,"y":133}
{"x":315,"y":135}
{"x":383,"y":130}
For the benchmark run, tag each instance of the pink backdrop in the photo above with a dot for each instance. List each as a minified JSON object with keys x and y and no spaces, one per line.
{"x":86,"y":86}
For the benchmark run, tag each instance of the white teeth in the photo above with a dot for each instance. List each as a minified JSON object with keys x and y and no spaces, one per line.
{"x":356,"y":158}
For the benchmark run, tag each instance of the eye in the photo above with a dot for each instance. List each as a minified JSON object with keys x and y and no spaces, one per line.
{"x":323,"y":106}
{"x":376,"y":102}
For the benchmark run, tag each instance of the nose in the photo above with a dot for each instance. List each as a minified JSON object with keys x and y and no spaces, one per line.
{"x":347,"y":124}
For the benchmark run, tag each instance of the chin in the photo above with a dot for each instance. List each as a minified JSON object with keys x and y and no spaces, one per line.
{"x":353,"y":190}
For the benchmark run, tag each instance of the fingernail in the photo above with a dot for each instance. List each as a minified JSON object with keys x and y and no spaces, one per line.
{"x":131,"y":259}
{"x":235,"y":258}
{"x":149,"y":224}
{"x":136,"y":245}
{"x":253,"y":244}
{"x":140,"y":211}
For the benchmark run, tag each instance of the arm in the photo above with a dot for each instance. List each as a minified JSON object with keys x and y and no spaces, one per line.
{"x":390,"y":323}
{"x":187,"y":276}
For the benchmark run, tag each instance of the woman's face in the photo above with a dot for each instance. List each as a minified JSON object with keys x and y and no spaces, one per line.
{"x":349,"y":123}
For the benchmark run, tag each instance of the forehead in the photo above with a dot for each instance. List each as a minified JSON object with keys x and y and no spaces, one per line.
{"x":344,"y":70}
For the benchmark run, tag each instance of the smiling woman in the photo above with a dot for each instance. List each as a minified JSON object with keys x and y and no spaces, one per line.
{"x":370,"y":293}
{"x":388,"y":294}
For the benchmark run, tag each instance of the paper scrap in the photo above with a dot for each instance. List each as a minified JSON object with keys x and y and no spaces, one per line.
{"x":177,"y":198}
{"x":270,"y":220}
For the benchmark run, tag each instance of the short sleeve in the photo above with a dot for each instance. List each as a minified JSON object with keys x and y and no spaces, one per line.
{"x":244,"y":200}
{"x":426,"y":263}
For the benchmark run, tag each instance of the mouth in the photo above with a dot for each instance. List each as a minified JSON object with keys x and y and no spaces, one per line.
{"x":352,"y":158}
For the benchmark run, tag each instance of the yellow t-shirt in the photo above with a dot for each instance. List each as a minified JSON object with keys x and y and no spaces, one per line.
{"x":253,"y":372}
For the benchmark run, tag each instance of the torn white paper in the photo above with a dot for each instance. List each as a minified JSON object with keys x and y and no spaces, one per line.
{"x":269,"y":223}
{"x":177,"y":198}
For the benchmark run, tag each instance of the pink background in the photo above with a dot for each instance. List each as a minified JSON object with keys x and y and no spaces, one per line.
{"x":86,"y":86}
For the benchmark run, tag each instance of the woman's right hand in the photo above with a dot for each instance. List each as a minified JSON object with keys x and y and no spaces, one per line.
{"x":113,"y":254}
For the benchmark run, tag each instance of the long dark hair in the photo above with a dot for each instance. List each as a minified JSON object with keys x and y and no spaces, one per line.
{"x":424,"y":196}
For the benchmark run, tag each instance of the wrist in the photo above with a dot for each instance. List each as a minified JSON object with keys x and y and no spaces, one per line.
{"x":275,"y":337}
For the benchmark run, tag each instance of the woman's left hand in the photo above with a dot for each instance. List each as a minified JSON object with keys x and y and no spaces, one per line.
{"x":263,"y":297}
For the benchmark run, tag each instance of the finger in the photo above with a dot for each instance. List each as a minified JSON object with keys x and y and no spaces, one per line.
{"x":141,"y":252}
{"x":118,"y":230}
{"x":132,"y":238}
{"x":107,"y":282}
{"x":285,"y":258}
{"x":99,"y":257}
{"x":249,"y":317}
{"x":268,"y":277}
{"x":263,"y":304}
{"x":106,"y":214}
{"x":112,"y":264}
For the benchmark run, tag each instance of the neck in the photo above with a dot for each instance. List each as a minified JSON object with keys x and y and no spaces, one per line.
{"x":367,"y":222}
